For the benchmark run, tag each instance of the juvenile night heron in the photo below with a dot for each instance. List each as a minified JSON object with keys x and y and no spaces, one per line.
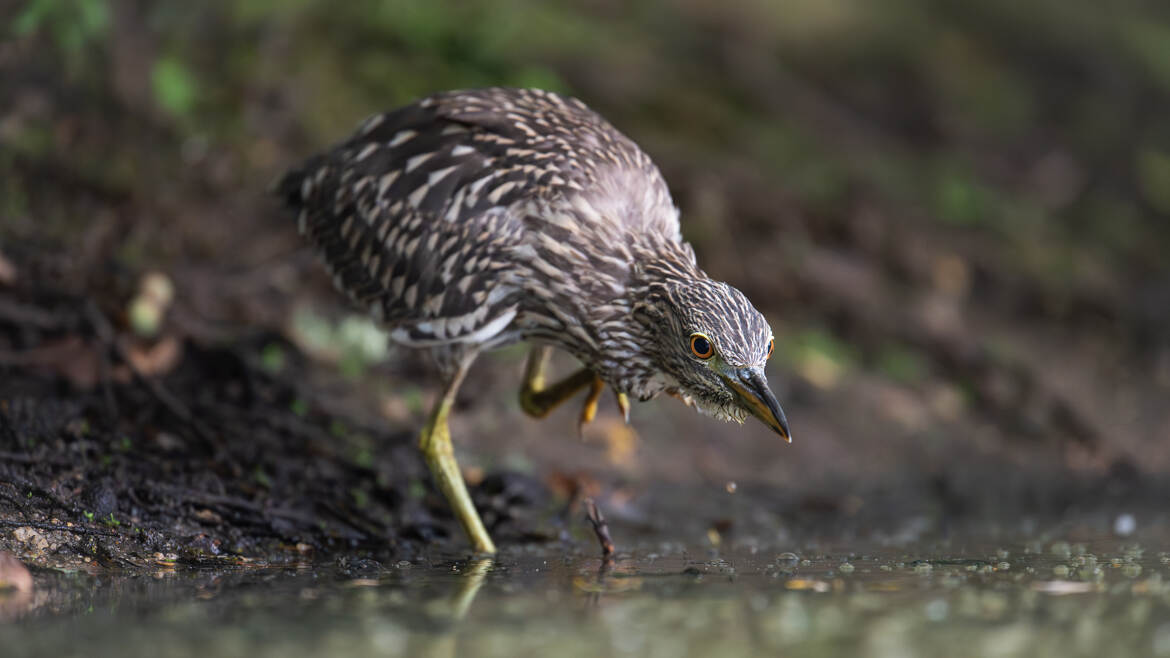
{"x":475,"y":219}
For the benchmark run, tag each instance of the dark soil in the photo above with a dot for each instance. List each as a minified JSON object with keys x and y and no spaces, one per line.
{"x":218,"y":457}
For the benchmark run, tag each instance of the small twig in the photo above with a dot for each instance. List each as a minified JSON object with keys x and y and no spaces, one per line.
{"x":18,"y":457}
{"x":105,"y":333}
{"x":24,"y":315}
{"x":359,"y":525}
{"x":105,"y":370}
{"x":80,"y":530}
{"x":221,"y":501}
{"x":600,"y":527}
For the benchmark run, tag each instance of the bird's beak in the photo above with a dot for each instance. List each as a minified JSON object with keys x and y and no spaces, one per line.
{"x":752,"y":389}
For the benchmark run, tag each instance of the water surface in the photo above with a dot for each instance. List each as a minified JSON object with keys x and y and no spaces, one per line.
{"x":1026,"y":598}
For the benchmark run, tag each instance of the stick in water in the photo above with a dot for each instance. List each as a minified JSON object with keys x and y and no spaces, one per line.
{"x":600,"y":527}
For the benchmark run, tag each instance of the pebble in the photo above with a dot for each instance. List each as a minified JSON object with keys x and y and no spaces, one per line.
{"x":1124,"y":525}
{"x":13,"y":574}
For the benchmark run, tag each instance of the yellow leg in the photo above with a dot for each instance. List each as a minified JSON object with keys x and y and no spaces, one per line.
{"x":538,"y":400}
{"x":623,"y":403}
{"x":435,"y":443}
{"x":589,"y":411}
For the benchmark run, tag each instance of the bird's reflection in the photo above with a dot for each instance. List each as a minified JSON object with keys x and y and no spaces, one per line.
{"x":443,"y":614}
{"x":472,"y":580}
{"x":438,"y":629}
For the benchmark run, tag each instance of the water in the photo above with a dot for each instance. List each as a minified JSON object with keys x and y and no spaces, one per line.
{"x":1026,"y":598}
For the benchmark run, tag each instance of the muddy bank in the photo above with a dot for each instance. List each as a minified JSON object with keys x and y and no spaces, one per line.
{"x":215,"y":453}
{"x":221,"y":455}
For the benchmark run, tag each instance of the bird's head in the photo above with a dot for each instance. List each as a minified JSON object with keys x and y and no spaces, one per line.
{"x":712,"y":345}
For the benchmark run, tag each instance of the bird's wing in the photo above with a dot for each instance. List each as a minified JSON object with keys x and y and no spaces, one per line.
{"x":554,"y":148}
{"x":416,"y":214}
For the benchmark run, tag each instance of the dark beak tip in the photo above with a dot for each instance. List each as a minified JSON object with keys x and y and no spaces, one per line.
{"x":783,"y":431}
{"x":764,"y":395}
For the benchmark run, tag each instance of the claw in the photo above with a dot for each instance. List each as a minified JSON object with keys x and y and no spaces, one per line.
{"x":589,"y":411}
{"x":623,"y":403}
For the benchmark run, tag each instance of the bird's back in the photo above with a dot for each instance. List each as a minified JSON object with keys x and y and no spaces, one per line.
{"x":425,"y":213}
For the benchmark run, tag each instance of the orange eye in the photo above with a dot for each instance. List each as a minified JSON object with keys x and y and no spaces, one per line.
{"x":701,"y":346}
{"x":771,"y":347}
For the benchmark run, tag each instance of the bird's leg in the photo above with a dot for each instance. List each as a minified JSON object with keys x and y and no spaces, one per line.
{"x":589,"y":411}
{"x":435,"y":443}
{"x":539,"y":400}
{"x":623,"y":403}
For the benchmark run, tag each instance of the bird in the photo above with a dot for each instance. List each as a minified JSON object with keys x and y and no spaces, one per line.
{"x":474,"y":219}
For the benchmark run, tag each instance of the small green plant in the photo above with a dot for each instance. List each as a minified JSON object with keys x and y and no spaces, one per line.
{"x":262,"y":478}
{"x":72,"y":24}
{"x":360,"y":497}
{"x":272,"y":358}
{"x":364,"y":457}
{"x":88,"y":516}
{"x":902,"y":364}
{"x":111,"y":521}
{"x":175,"y":88}
{"x":299,"y":407}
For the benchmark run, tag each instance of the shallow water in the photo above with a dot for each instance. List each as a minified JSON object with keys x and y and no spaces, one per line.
{"x":1035,"y":598}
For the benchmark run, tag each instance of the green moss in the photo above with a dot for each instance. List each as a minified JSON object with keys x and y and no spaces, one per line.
{"x":1148,"y":42}
{"x":902,"y":364}
{"x":817,"y":342}
{"x":959,"y":199}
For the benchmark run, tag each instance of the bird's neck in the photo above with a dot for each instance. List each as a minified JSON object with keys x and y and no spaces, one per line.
{"x":604,"y":314}
{"x":629,"y":335}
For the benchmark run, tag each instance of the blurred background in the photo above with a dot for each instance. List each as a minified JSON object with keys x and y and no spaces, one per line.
{"x":955,"y":215}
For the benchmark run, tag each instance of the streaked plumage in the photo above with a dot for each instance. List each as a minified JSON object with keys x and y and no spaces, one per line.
{"x":474,"y":219}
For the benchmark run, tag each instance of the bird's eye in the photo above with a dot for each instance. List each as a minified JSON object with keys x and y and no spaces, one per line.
{"x":771,"y":346}
{"x":701,"y":347}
